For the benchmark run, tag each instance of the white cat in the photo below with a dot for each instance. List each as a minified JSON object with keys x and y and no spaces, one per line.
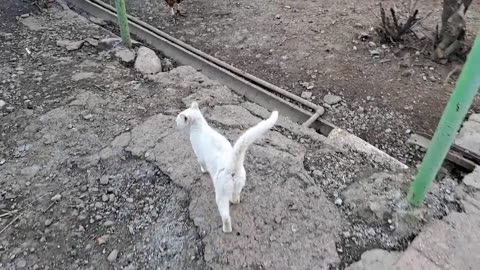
{"x":216,"y":156}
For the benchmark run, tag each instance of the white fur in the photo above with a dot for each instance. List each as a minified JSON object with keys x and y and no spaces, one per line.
{"x":216,"y":156}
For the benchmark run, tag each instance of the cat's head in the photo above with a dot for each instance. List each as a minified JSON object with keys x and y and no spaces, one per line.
{"x":188,"y":117}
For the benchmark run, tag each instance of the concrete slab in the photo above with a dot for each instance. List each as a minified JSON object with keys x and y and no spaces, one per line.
{"x":469,"y":135}
{"x":414,"y":260}
{"x":375,"y":259}
{"x":452,"y":243}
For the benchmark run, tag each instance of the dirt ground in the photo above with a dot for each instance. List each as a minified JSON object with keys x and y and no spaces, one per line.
{"x":297,"y":44}
{"x":94,"y":175}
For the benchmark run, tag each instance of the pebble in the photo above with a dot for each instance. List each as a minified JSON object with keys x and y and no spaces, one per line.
{"x":2,"y":161}
{"x":113,"y":255}
{"x":338,"y":201}
{"x":103,"y":239}
{"x":98,"y":205}
{"x":371,"y":231}
{"x":48,"y":222}
{"x":10,"y":109}
{"x":104,"y":197}
{"x":306,"y":95}
{"x":372,"y":44}
{"x":277,"y":16}
{"x":375,"y":53}
{"x":331,"y":99}
{"x":56,"y":198}
{"x":21,"y":263}
{"x":2,"y":104}
{"x":408,"y":73}
{"x":346,"y":234}
{"x":88,"y":117}
{"x":130,"y":200}
{"x":104,"y":180}
{"x":108,"y":223}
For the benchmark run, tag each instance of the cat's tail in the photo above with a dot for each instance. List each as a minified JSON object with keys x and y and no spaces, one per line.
{"x":252,"y":134}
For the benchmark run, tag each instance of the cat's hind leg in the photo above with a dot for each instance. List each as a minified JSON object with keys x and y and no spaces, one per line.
{"x":238,"y":184}
{"x":223,"y":205}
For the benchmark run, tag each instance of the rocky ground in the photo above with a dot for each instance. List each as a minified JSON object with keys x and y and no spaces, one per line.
{"x":94,"y":175}
{"x":316,"y":48}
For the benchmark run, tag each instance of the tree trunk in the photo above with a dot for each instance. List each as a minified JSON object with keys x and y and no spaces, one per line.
{"x":452,"y":31}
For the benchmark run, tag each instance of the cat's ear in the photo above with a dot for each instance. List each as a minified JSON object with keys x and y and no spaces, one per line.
{"x":194,"y":105}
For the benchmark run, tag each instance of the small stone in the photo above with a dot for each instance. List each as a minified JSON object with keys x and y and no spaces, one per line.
{"x":56,"y":198}
{"x":130,"y":200}
{"x":372,"y":44}
{"x":167,"y":65}
{"x":375,"y":53}
{"x":10,"y":109}
{"x":126,"y":56}
{"x":331,"y":99}
{"x":2,"y":104}
{"x":104,"y":180}
{"x":98,"y":205}
{"x":371,"y":232}
{"x":48,"y":222}
{"x":21,"y":263}
{"x":70,"y":45}
{"x":26,"y":15}
{"x":103,"y":239}
{"x":108,"y":223}
{"x":147,"y":61}
{"x":364,"y":36}
{"x":346,"y":234}
{"x":113,"y":255}
{"x":88,"y":117}
{"x":104,"y":197}
{"x":2,"y":161}
{"x":277,"y":16}
{"x":388,"y":130}
{"x":338,"y":201}
{"x":306,"y":95}
{"x":408,"y":73}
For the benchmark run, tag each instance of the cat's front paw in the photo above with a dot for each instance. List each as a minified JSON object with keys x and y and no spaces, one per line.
{"x":227,"y":226}
{"x":235,"y":198}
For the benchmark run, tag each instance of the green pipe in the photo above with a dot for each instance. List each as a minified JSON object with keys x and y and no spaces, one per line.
{"x":123,"y":22}
{"x":457,"y":107}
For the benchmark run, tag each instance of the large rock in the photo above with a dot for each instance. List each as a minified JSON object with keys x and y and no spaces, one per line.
{"x":375,"y":259}
{"x":473,"y":179}
{"x":147,"y":61}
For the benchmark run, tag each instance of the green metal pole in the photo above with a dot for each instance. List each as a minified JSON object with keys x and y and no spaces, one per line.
{"x":457,"y":107}
{"x":123,"y":22}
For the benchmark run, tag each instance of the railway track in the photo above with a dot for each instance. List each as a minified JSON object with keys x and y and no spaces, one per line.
{"x":256,"y":90}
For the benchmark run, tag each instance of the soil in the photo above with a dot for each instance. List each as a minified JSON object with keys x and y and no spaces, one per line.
{"x":94,"y":175}
{"x":295,"y":44}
